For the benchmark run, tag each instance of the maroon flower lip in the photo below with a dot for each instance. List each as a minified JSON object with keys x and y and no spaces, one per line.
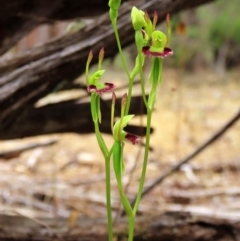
{"x":133,"y":138}
{"x":108,"y":88}
{"x":165,"y":53}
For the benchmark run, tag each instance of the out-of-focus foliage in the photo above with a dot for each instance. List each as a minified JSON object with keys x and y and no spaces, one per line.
{"x":198,"y":34}
{"x":225,"y":24}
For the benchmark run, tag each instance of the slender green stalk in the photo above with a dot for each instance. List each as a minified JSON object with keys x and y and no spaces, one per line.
{"x":131,"y":221}
{"x":108,"y":198}
{"x":130,"y":78}
{"x":107,"y":157}
{"x":145,"y":161}
{"x":130,"y":85}
{"x":114,"y":24}
{"x":142,"y":81}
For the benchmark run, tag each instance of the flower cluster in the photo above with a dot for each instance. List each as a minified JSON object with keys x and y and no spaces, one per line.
{"x":97,"y":88}
{"x":155,"y":41}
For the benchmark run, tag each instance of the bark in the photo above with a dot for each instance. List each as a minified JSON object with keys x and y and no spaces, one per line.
{"x":68,"y":116}
{"x":19,"y":17}
{"x":169,"y":226}
{"x":35,"y":73}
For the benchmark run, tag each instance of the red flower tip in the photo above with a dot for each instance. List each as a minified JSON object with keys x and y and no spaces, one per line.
{"x":101,"y":54}
{"x":114,"y":97}
{"x":168,"y":18}
{"x":124,"y":100}
{"x":155,"y":18}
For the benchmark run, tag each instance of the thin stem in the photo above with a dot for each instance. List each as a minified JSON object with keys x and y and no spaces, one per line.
{"x":108,"y":198}
{"x":142,"y":80}
{"x":114,"y":24}
{"x":129,"y":95}
{"x":131,"y":221}
{"x":144,"y":168}
{"x":107,"y":156}
{"x":143,"y":89}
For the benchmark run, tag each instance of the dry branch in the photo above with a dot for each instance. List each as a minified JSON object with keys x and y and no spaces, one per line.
{"x":18,"y":150}
{"x":68,"y":116}
{"x":37,"y":72}
{"x":18,"y":17}
{"x":197,"y":151}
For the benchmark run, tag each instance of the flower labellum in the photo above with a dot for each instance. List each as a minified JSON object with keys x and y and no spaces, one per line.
{"x":133,"y":138}
{"x":151,"y":52}
{"x":107,"y":87}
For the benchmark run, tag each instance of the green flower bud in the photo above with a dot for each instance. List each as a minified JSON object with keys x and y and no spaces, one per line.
{"x":114,"y":4}
{"x":138,"y":20}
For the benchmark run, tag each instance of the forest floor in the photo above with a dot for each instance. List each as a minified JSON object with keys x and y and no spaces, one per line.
{"x":67,"y":179}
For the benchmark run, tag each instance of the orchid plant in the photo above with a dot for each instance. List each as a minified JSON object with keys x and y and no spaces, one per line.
{"x":150,"y":43}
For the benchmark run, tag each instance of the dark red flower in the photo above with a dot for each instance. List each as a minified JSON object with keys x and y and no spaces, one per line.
{"x":153,"y":53}
{"x":108,"y":87}
{"x":133,"y":138}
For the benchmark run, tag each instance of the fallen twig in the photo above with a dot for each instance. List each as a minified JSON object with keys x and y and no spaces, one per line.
{"x":197,"y":151}
{"x":18,"y":150}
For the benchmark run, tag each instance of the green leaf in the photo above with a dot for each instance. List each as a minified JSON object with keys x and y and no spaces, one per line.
{"x":117,"y":159}
{"x":119,"y":125}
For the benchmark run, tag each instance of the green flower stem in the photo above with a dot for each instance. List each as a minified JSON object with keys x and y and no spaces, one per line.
{"x":130,"y":78}
{"x":108,"y":198}
{"x":107,"y":157}
{"x":131,"y":222}
{"x":130,"y":85}
{"x":117,"y":151}
{"x":143,"y":88}
{"x":144,"y":168}
{"x":128,"y":209}
{"x":140,"y":64}
{"x":114,"y":24}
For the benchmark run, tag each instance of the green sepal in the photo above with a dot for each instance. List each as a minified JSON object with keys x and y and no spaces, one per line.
{"x":149,"y":26}
{"x":93,"y":80}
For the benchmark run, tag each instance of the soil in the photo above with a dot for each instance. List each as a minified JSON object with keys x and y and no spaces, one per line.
{"x":65,"y":182}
